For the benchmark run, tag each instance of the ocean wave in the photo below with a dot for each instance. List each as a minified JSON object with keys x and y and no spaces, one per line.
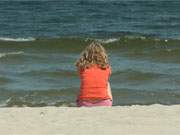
{"x":17,"y":39}
{"x":106,"y":41}
{"x":4,"y":80}
{"x":56,"y":73}
{"x":77,"y":44}
{"x":38,"y":98}
{"x":67,"y":97}
{"x":18,"y":102}
{"x":10,"y":53}
{"x":135,"y":75}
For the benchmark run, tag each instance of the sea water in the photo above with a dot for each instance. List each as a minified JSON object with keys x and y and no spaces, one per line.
{"x":40,"y":41}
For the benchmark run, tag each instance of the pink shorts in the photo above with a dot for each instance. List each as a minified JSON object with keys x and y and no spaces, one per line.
{"x":107,"y":102}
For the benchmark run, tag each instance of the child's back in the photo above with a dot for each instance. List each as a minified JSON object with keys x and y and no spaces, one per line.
{"x":94,"y":83}
{"x":94,"y":72}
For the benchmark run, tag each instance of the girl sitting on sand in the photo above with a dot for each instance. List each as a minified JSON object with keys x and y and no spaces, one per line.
{"x":94,"y":71}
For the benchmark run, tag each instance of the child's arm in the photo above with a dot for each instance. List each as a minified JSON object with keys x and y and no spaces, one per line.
{"x":109,"y":91}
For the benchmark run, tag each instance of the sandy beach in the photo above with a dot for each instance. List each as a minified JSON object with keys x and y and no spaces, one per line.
{"x":119,"y":120}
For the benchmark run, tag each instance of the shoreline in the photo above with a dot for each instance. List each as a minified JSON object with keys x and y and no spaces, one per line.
{"x":126,"y":120}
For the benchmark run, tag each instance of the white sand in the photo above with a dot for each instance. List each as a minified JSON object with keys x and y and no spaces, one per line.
{"x":120,"y":120}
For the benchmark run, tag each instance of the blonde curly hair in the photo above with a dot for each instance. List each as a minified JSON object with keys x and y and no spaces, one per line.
{"x":94,"y":53}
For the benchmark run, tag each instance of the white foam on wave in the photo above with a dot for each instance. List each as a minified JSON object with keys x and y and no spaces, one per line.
{"x":106,"y":41}
{"x":17,"y":39}
{"x":10,"y":53}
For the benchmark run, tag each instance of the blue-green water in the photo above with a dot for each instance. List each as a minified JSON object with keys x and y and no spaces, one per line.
{"x":40,"y":41}
{"x":97,"y":18}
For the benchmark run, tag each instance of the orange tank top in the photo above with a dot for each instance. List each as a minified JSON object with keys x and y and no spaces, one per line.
{"x":94,"y":83}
